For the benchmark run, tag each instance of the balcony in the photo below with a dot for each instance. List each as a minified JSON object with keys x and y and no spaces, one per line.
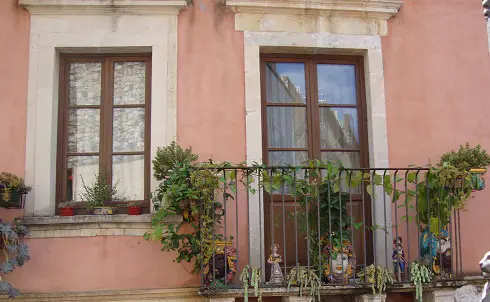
{"x":318,"y":229}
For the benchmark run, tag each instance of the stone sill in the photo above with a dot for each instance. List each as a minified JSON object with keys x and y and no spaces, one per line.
{"x":90,"y":225}
{"x":347,"y":289}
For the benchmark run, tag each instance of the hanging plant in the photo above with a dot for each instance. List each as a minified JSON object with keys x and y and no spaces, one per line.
{"x":420,"y":274}
{"x":378,"y":277}
{"x":251,"y":278}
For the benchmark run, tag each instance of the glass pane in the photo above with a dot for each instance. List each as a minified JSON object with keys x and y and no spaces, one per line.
{"x":286,"y":127}
{"x":80,"y":170}
{"x":128,"y":173}
{"x":339,"y":128}
{"x":129,"y":129}
{"x":285,"y":83}
{"x":284,"y":158}
{"x":84,"y":84}
{"x":83,"y":130}
{"x":348,"y":159}
{"x":336,"y":84}
{"x":129,"y":82}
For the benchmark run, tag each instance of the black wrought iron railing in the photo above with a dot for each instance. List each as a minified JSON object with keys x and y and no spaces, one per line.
{"x":330,"y":223}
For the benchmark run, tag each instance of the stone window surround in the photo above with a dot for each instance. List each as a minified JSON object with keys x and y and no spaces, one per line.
{"x":102,"y":26}
{"x":312,"y":27}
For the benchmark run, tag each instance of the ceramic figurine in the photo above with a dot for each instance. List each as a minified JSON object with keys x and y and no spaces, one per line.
{"x":442,"y":261}
{"x":398,"y":259}
{"x":223,"y":274}
{"x":485,"y":269}
{"x":274,"y":260}
{"x":341,"y":262}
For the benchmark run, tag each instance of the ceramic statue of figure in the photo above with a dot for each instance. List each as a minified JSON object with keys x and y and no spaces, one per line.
{"x":341,"y":261}
{"x":398,"y":259}
{"x":485,"y":268}
{"x":442,"y":262}
{"x":223,"y":274}
{"x":274,"y":260}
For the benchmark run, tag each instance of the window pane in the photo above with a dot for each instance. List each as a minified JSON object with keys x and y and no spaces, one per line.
{"x":83,"y":130}
{"x":129,"y":129}
{"x":284,"y":158}
{"x":129,"y":83}
{"x":129,"y":174}
{"x":85,"y":82}
{"x":336,"y":84}
{"x":286,"y":127}
{"x":285,"y":83}
{"x":339,"y":128}
{"x":348,"y":159}
{"x":80,"y":169}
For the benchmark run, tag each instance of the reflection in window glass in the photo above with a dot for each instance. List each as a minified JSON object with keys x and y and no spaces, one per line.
{"x":285,"y":83}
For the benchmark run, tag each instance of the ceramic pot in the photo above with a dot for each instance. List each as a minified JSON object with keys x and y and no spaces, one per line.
{"x":103,"y":211}
{"x":134,"y":210}
{"x":67,"y":211}
{"x":477,"y":179}
{"x":223,"y":274}
{"x":341,"y":261}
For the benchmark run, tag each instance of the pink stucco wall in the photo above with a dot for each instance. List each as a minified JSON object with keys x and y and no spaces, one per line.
{"x":437,"y":70}
{"x":14,"y":60}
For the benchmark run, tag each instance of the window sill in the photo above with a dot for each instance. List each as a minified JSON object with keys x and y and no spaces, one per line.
{"x":89,"y":225}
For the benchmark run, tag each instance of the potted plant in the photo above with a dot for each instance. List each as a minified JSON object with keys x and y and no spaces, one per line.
{"x":67,"y":208}
{"x":99,"y":195}
{"x":12,"y":190}
{"x":475,"y":160}
{"x":134,"y":208}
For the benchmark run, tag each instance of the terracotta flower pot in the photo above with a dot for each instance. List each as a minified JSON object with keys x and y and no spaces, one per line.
{"x":134,"y":210}
{"x":67,"y":211}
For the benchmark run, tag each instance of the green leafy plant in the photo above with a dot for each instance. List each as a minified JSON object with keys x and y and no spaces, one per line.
{"x":305,"y":278}
{"x":250,"y":277}
{"x":16,"y":253}
{"x":99,"y":193}
{"x":420,"y":273}
{"x":9,"y":183}
{"x":190,"y":191}
{"x":168,"y":158}
{"x":134,"y":204}
{"x":467,"y":158}
{"x":378,"y":276}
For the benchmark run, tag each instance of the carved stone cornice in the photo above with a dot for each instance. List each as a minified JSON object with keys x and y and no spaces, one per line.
{"x":103,"y":7}
{"x":335,"y":16}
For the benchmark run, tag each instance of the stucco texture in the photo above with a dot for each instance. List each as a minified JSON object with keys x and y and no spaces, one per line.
{"x":436,"y":67}
{"x":14,"y":60}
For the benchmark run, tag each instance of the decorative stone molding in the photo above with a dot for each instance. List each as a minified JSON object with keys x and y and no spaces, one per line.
{"x":96,"y":7}
{"x":147,"y":295}
{"x":364,"y":17}
{"x":89,"y":225}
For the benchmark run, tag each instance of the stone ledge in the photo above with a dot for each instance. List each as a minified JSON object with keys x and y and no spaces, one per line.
{"x":90,"y":225}
{"x":101,"y":7}
{"x":346,"y":289}
{"x":174,"y":294}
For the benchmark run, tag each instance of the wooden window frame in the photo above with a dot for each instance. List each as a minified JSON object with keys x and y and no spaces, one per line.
{"x":312,"y":107}
{"x":106,"y":107}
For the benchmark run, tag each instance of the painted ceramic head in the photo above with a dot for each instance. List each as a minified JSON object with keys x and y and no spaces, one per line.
{"x":485,"y":264}
{"x":444,"y":243}
{"x":341,"y":262}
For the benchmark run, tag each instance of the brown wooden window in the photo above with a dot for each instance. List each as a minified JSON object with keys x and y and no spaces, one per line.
{"x":313,"y":108}
{"x":104,"y":125}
